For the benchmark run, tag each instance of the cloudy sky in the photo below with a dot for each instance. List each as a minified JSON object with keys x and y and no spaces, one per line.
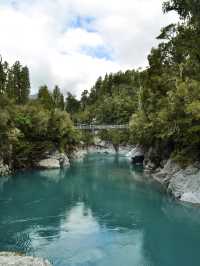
{"x":72,"y":42}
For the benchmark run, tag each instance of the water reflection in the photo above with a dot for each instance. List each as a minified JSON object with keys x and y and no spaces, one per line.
{"x":98,"y":212}
{"x":79,"y":220}
{"x":3,"y":180}
{"x":54,"y":175}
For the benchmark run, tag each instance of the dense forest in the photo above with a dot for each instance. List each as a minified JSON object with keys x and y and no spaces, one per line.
{"x":161,"y":103}
{"x":30,"y":128}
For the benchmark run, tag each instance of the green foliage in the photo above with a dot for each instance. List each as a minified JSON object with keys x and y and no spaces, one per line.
{"x":112,"y":100}
{"x":51,"y":100}
{"x":30,"y":130}
{"x":115,"y":136}
{"x":61,"y":127}
{"x":169,"y":107}
{"x":17,"y":84}
{"x":87,"y":138}
{"x":45,"y":97}
{"x":187,"y":9}
{"x":27,"y":153}
{"x":72,"y":104}
{"x":58,"y":99}
{"x":161,"y":103}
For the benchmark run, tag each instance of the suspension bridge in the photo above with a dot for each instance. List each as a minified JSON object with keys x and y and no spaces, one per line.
{"x":100,"y":127}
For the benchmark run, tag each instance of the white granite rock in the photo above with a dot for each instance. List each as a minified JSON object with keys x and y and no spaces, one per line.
{"x":54,"y":161}
{"x":49,"y":163}
{"x":14,"y":259}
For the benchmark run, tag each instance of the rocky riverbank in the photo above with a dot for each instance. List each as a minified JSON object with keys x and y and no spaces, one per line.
{"x":53,"y":159}
{"x":100,"y":147}
{"x":108,"y":148}
{"x":182,"y":183}
{"x":15,"y":259}
{"x":4,"y":169}
{"x":50,"y":160}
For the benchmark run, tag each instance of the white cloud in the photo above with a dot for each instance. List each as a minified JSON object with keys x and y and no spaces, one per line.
{"x":41,"y":34}
{"x":73,"y":39}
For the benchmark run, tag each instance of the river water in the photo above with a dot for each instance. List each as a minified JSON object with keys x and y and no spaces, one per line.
{"x":100,"y":212}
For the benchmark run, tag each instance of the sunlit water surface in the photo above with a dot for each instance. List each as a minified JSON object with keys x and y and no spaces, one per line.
{"x":100,"y":212}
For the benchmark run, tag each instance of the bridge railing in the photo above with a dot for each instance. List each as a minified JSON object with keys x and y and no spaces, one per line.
{"x":100,"y":127}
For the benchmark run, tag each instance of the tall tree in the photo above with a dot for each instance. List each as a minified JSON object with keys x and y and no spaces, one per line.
{"x":45,"y":97}
{"x":72,"y":104}
{"x":84,"y":99}
{"x":18,"y":83}
{"x":58,"y":98}
{"x":25,"y":85}
{"x":3,"y":75}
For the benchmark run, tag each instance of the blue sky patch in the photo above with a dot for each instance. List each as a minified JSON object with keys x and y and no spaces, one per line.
{"x":83,"y":22}
{"x":100,"y":52}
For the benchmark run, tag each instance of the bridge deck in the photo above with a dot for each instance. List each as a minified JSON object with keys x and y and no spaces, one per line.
{"x":99,"y":127}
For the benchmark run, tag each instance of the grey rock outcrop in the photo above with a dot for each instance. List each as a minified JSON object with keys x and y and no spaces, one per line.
{"x":136,"y":155}
{"x":125,"y":149}
{"x":157,"y":156}
{"x":108,"y":148}
{"x":183,"y":184}
{"x":14,"y":259}
{"x":54,"y":161}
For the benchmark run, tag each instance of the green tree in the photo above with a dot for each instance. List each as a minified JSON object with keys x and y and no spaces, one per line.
{"x":58,"y":98}
{"x":3,"y":75}
{"x":18,"y":83}
{"x":72,"y":104}
{"x":45,"y":97}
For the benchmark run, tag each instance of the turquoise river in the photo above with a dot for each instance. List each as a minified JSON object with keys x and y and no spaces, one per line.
{"x":99,"y":212}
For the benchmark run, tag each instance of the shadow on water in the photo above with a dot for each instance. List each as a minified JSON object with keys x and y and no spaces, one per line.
{"x":101,"y":211}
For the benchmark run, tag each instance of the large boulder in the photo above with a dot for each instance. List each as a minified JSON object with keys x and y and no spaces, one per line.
{"x":14,"y":259}
{"x":54,"y":161}
{"x":50,"y":163}
{"x":136,"y":155}
{"x":185,"y":184}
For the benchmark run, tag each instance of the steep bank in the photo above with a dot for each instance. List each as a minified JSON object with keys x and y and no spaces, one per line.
{"x":183,"y":183}
{"x":52,"y":159}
